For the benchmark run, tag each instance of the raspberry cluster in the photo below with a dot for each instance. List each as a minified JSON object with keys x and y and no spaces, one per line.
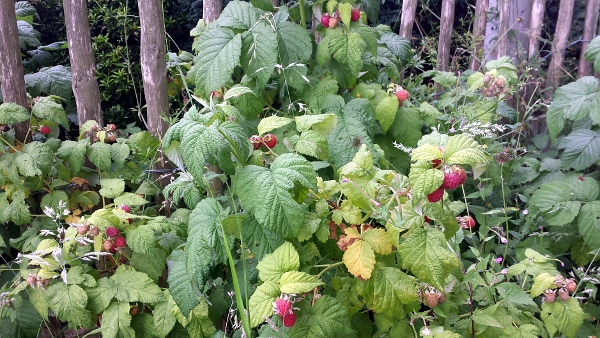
{"x":269,"y":141}
{"x":115,"y":241}
{"x":332,"y":20}
{"x":283,"y":306}
{"x":493,"y":86}
{"x":564,"y":286}
{"x":454,"y":176}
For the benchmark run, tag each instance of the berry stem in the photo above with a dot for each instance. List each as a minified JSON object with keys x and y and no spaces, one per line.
{"x":327,"y":267}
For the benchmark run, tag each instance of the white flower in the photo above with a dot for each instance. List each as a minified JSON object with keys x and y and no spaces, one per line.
{"x":426,"y":331}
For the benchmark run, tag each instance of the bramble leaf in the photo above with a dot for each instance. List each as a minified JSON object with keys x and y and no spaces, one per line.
{"x":581,"y":149}
{"x":348,"y":49}
{"x":199,"y":324}
{"x":327,"y":317}
{"x":283,"y":259}
{"x":134,"y":286}
{"x":386,"y":110}
{"x":261,"y":241}
{"x":298,"y":282}
{"x":100,"y":296}
{"x":359,"y":258}
{"x":116,"y":321}
{"x":388,"y":289}
{"x":542,"y":282}
{"x":46,"y":108}
{"x":271,"y":123}
{"x":13,"y":113}
{"x":74,"y":153}
{"x":68,"y":303}
{"x":426,"y":182}
{"x":565,"y":317}
{"x":589,"y":227}
{"x":592,"y":53}
{"x":180,"y":285}
{"x":52,"y":81}
{"x":99,"y":154}
{"x":112,"y":187}
{"x":261,"y":302}
{"x":462,"y":149}
{"x":260,"y":47}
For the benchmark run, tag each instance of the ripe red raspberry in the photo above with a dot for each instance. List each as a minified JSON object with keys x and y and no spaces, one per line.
{"x":120,"y":242}
{"x":436,"y":195}
{"x":289,"y":320}
{"x":355,"y":15}
{"x":426,"y":219}
{"x":256,"y":141}
{"x":83,"y":229}
{"x":125,"y":208}
{"x":94,"y":231}
{"x":325,"y":20}
{"x":283,"y":306}
{"x":402,"y":94}
{"x":111,"y":127}
{"x":454,"y":176}
{"x":270,"y":140}
{"x":112,"y":232}
{"x":45,"y":130}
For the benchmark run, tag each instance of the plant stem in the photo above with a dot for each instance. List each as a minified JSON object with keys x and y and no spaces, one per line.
{"x":329,"y":266}
{"x":302,"y":14}
{"x":8,"y":144}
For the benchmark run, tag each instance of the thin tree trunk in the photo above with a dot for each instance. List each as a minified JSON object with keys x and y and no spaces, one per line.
{"x":446,"y":24}
{"x":409,"y":8}
{"x":211,"y":9}
{"x":503,"y":27}
{"x":481,"y":7}
{"x":519,"y":20}
{"x":559,"y":44}
{"x":12,"y":78}
{"x":275,"y":3}
{"x":83,"y":67}
{"x":537,"y":19}
{"x":491,"y":31}
{"x":589,"y":32}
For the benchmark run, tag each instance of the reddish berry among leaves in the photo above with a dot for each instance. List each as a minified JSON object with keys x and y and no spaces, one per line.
{"x":436,"y":163}
{"x":111,"y":127}
{"x":453,"y":177}
{"x":325,"y":20}
{"x":333,"y":21}
{"x":108,"y":245}
{"x":402,"y":94}
{"x":94,"y":231}
{"x":112,"y":232}
{"x":270,"y":140}
{"x":45,"y":130}
{"x":120,"y":242}
{"x":256,"y":141}
{"x":83,"y":229}
{"x":550,"y":296}
{"x":283,"y":306}
{"x":289,"y":320}
{"x":125,"y":208}
{"x":432,"y":299}
{"x":571,"y":286}
{"x":436,"y":195}
{"x":563,"y":294}
{"x":355,"y":15}
{"x":467,"y":222}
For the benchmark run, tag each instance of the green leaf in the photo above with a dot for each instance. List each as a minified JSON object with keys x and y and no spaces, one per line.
{"x":270,"y":193}
{"x":294,"y":43}
{"x":119,"y":152}
{"x":18,"y":210}
{"x":50,"y":80}
{"x":180,"y":285}
{"x":260,"y":48}
{"x":68,"y":303}
{"x":426,"y":182}
{"x":261,"y":302}
{"x":486,"y":320}
{"x":313,"y":144}
{"x":398,"y":45}
{"x":116,"y":321}
{"x":388,"y":289}
{"x":462,"y":149}
{"x":379,"y":240}
{"x":283,"y":259}
{"x":541,"y":283}
{"x":589,"y":225}
{"x":13,"y":113}
{"x":141,"y":239}
{"x":40,"y":302}
{"x":74,"y":153}
{"x":164,"y":320}
{"x":592,"y":53}
{"x":261,"y":241}
{"x":199,"y":324}
{"x":271,"y":123}
{"x":565,"y":317}
{"x":134,"y":286}
{"x":327,"y":317}
{"x":551,"y":196}
{"x":424,"y":252}
{"x":298,"y":282}
{"x":112,"y":187}
{"x":100,"y":296}
{"x":514,"y":295}
{"x":322,"y":123}
{"x":130,"y":199}
{"x":46,"y":108}
{"x":220,"y":49}
{"x":406,"y":127}
{"x":574,"y":101}
{"x":348,"y":49}
{"x":152,"y":263}
{"x":100,"y":154}
{"x":581,"y":149}
{"x":386,"y":110}
{"x":238,"y":15}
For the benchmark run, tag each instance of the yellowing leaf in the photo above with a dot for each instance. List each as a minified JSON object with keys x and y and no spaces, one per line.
{"x":298,"y":282}
{"x":379,"y":240}
{"x":271,"y":123}
{"x":541,"y":283}
{"x":360,"y":259}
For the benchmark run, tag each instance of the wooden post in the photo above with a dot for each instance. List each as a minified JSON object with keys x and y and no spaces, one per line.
{"x":446,"y":24}
{"x":83,"y":66}
{"x":503,"y":27}
{"x":559,"y":44}
{"x":481,"y":7}
{"x":409,"y":8}
{"x":211,"y":9}
{"x":12,"y":78}
{"x":537,"y":19}
{"x":589,"y":32}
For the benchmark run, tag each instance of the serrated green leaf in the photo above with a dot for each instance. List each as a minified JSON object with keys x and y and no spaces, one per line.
{"x":238,"y":15}
{"x":260,"y":52}
{"x":28,"y":36}
{"x":283,"y":259}
{"x":385,"y":112}
{"x":46,"y":108}
{"x":475,"y":81}
{"x":462,"y":149}
{"x":486,"y":320}
{"x":294,"y":43}
{"x":426,"y":182}
{"x":592,"y":53}
{"x":13,"y":113}
{"x":130,"y":199}
{"x":313,"y":144}
{"x":152,"y":263}
{"x":141,"y":239}
{"x":327,"y":317}
{"x":68,"y":303}
{"x":271,"y":123}
{"x":541,"y":283}
{"x":54,"y":80}
{"x":551,"y":196}
{"x":399,"y":46}
{"x":406,"y":128}
{"x":261,"y":302}
{"x":74,"y":153}
{"x":322,"y":123}
{"x":164,"y":320}
{"x":345,"y":10}
{"x":268,"y":193}
{"x":199,"y":324}
{"x":100,"y":296}
{"x":359,"y":258}
{"x":379,"y":240}
{"x":514,"y":295}
{"x":112,"y":187}
{"x":78,"y":275}
{"x":18,"y":210}
{"x":581,"y":149}
{"x":180,"y":284}
{"x":119,"y":153}
{"x":424,"y":252}
{"x":388,"y":289}
{"x":134,"y":286}
{"x":348,"y":49}
{"x":588,"y":224}
{"x":99,"y":154}
{"x":40,"y":302}
{"x":298,"y":282}
{"x":116,"y":321}
{"x":261,"y":241}
{"x":565,"y":317}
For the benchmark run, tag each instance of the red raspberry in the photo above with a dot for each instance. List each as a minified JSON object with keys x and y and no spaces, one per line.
{"x":94,"y":231}
{"x":355,"y":16}
{"x":436,"y":163}
{"x":270,"y":140}
{"x":467,"y":222}
{"x":325,"y":20}
{"x":402,"y":94}
{"x":453,"y":177}
{"x":83,"y":229}
{"x":125,"y":208}
{"x":289,"y":320}
{"x":283,"y":306}
{"x":108,"y":246}
{"x":563,"y":294}
{"x":120,"y":242}
{"x":436,"y":195}
{"x":45,"y":130}
{"x":426,"y":219}
{"x":112,"y":232}
{"x":333,"y":21}
{"x":111,"y":127}
{"x":256,"y":141}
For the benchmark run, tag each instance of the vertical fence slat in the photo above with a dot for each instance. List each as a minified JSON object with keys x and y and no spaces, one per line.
{"x":559,"y":44}
{"x":536,"y":21}
{"x":481,"y":7}
{"x":446,"y":24}
{"x":589,"y":32}
{"x":503,"y":27}
{"x":409,"y":8}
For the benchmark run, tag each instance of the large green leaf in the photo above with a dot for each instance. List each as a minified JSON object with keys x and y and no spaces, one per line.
{"x":74,"y":153}
{"x":592,"y":53}
{"x":199,"y":324}
{"x":462,"y":149}
{"x":68,"y":303}
{"x":294,"y":42}
{"x":581,"y":149}
{"x":180,"y":284}
{"x":116,"y":321}
{"x":406,"y":128}
{"x":46,"y":108}
{"x":589,"y":226}
{"x":53,"y":81}
{"x":388,"y":289}
{"x":164,"y":320}
{"x":326,"y":318}
{"x":260,"y":48}
{"x":100,"y":296}
{"x":386,"y":110}
{"x":238,"y":15}
{"x":13,"y":113}
{"x":398,"y":45}
{"x":425,"y":182}
{"x":297,"y":282}
{"x":219,"y":52}
{"x":283,"y":259}
{"x":348,"y":49}
{"x":551,"y":196}
{"x":261,"y":302}
{"x":134,"y":286}
{"x":99,"y":155}
{"x":424,"y":252}
{"x":261,"y":241}
{"x":565,"y":317}
{"x":272,"y":194}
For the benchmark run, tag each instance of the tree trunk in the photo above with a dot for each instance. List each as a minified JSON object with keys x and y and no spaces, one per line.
{"x":211,"y":9}
{"x":503,"y":27}
{"x":83,"y":67}
{"x":491,"y":31}
{"x":559,"y":44}
{"x":481,"y":7}
{"x":519,"y":19}
{"x":589,"y":32}
{"x":275,"y":3}
{"x":535,"y":24}
{"x":409,"y":8}
{"x":446,"y":24}
{"x":12,"y":79}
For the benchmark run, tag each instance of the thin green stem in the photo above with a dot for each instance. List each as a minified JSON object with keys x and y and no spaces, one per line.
{"x":302,"y":14}
{"x":8,"y":144}
{"x":504,"y":210}
{"x":327,"y":268}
